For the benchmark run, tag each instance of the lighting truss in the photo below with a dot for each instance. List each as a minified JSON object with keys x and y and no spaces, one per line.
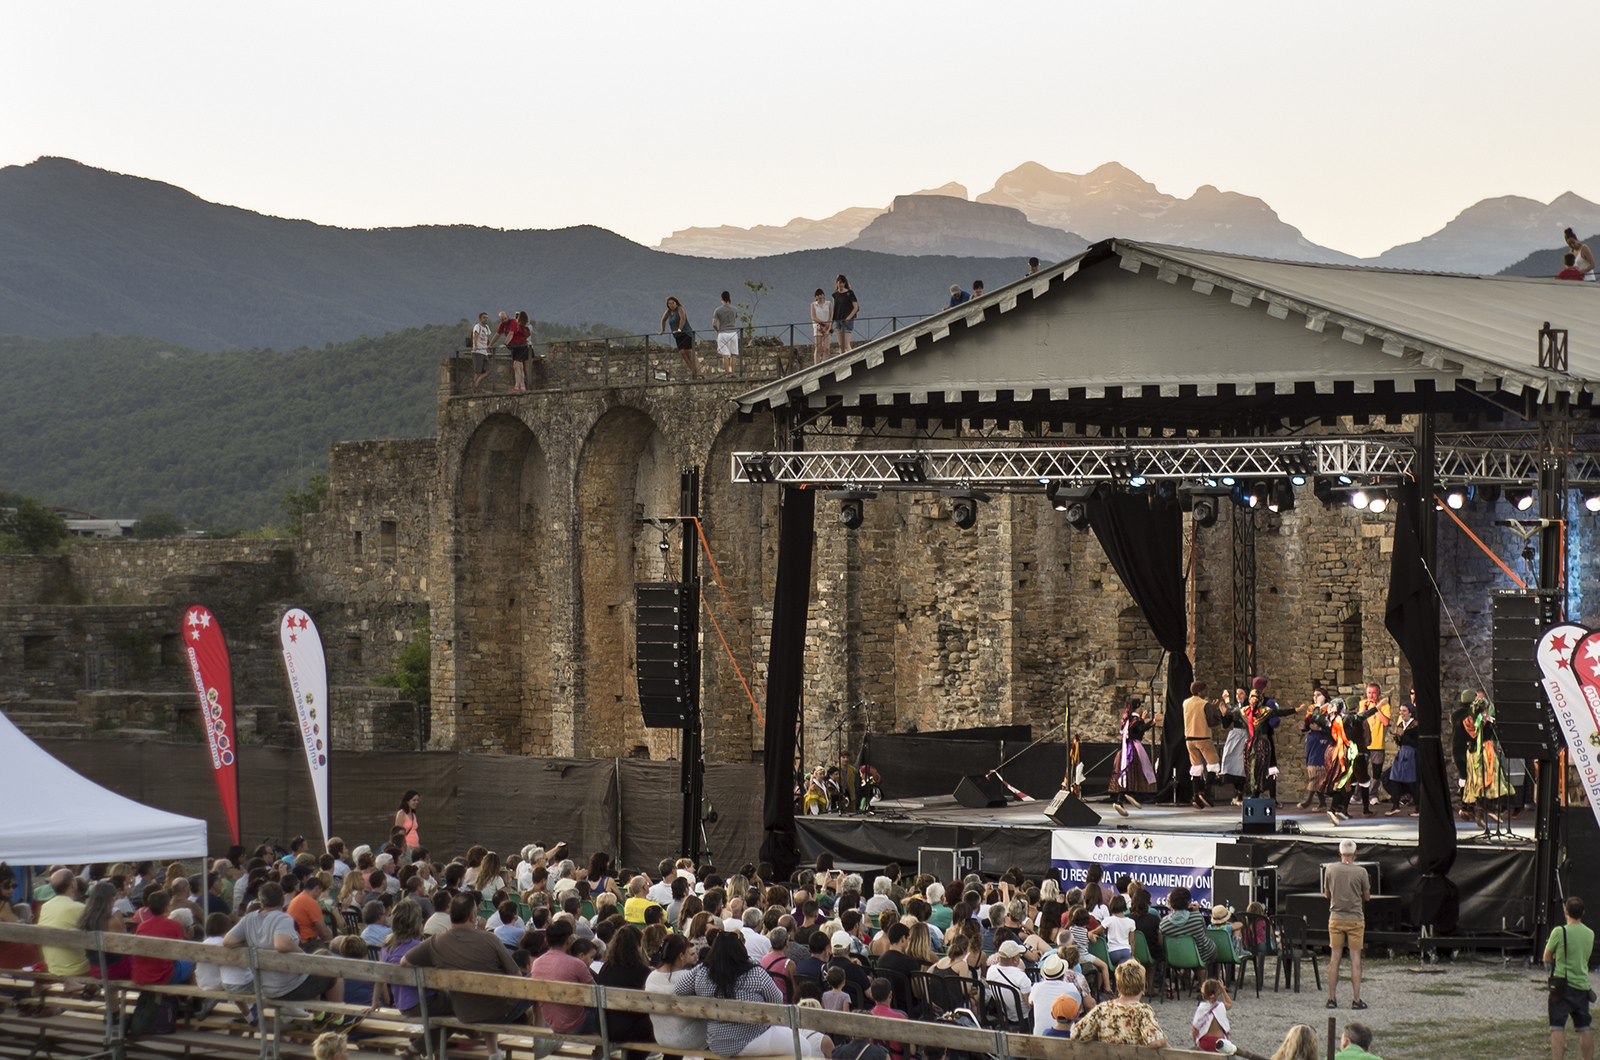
{"x":1368,"y":459}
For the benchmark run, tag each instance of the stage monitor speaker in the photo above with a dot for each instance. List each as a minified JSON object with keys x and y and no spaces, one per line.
{"x":1260,"y":816}
{"x":1069,"y":811}
{"x":979,"y":792}
{"x":1522,"y":716}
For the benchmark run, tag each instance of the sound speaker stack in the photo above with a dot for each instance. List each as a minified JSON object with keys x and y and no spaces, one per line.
{"x":1522,"y":716}
{"x":1069,"y":811}
{"x":664,"y":633}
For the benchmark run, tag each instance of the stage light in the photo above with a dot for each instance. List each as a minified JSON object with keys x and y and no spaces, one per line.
{"x":1205,"y":511}
{"x":1282,"y":495}
{"x":1521,"y":500}
{"x":1345,"y":480}
{"x":851,"y":514}
{"x":1227,"y":480}
{"x":1077,"y":515}
{"x":1137,"y":481}
{"x":1489,"y":494}
{"x":1458,"y":497}
{"x":1203,"y":500}
{"x":1378,"y":505}
{"x":1073,"y":500}
{"x":1298,"y":480}
{"x":758,"y":468}
{"x":910,"y":468}
{"x":1359,"y":500}
{"x":1322,"y":488}
{"x":1591,"y":502}
{"x":1246,"y":496}
{"x":964,"y":507}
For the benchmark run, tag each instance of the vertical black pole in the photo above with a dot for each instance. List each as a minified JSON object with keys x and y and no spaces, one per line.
{"x":693,"y":768}
{"x":1554,"y":442}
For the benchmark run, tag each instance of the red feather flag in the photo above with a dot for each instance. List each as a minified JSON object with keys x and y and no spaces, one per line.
{"x":207,"y":653}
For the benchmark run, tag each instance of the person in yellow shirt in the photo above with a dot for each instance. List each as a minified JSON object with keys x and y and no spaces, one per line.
{"x":1372,"y":743}
{"x":64,"y":911}
{"x":633,"y":909}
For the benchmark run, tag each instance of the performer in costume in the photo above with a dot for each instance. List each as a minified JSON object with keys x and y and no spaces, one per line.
{"x":1202,"y":751}
{"x":1233,"y":742}
{"x":1403,"y":771}
{"x":1486,"y":767}
{"x":1315,"y":726}
{"x":816,"y":798}
{"x":1345,"y":765}
{"x":1132,"y":770}
{"x":1261,"y":757}
{"x":869,"y":788}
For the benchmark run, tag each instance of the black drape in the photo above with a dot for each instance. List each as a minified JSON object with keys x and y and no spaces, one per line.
{"x":1412,"y":618}
{"x":1142,"y":534}
{"x":791,"y":599}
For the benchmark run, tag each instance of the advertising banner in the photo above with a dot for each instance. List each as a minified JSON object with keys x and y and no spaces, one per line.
{"x":1569,"y":658}
{"x":1160,"y":862}
{"x":212,"y":677}
{"x":308,"y":687}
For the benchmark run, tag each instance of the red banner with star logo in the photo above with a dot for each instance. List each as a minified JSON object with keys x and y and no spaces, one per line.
{"x":212,"y":676}
{"x":307,"y":668}
{"x":1569,"y":656}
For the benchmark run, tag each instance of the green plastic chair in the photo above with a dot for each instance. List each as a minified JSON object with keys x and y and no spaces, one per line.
{"x":1099,"y":948}
{"x":1227,"y":959}
{"x":1141,"y":953}
{"x":1182,"y":955}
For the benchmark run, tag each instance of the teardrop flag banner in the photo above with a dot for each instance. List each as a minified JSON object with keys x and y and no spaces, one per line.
{"x":1569,"y":656}
{"x":308,"y":686}
{"x":212,"y":675}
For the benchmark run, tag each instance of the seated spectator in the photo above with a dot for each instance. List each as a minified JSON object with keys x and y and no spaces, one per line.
{"x":464,"y":948}
{"x":305,"y":909}
{"x":729,"y":973}
{"x":376,"y":919}
{"x":99,"y":914}
{"x":1125,"y":1019}
{"x":1063,"y":1013}
{"x":506,"y":924}
{"x":270,"y":928}
{"x":1209,"y":1028}
{"x":356,"y":991}
{"x":633,"y":909}
{"x":1008,"y":970}
{"x":1299,"y":1044}
{"x":559,"y":964}
{"x":64,"y":910}
{"x":1356,"y":1040}
{"x":151,"y":971}
{"x":816,"y":959}
{"x":625,"y":966}
{"x":834,"y":999}
{"x":1183,"y":922}
{"x":854,"y":972}
{"x":880,"y":902}
{"x":1053,"y":983}
{"x":881,"y":994}
{"x":672,"y":967}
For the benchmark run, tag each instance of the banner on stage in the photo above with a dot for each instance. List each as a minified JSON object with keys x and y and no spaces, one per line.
{"x":212,"y":677}
{"x":1161,"y":862}
{"x":308,"y":686}
{"x":1569,"y":658}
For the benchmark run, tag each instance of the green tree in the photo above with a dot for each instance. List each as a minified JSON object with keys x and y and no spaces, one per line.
{"x":28,"y":526}
{"x":158,"y":525}
{"x":412,"y":673}
{"x":747,"y":310}
{"x":298,"y":504}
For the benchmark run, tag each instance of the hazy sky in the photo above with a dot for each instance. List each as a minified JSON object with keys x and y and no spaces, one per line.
{"x":1364,"y":124}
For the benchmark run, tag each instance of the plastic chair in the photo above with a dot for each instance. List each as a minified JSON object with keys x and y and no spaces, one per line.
{"x":940,"y":993}
{"x":1227,"y":959}
{"x":1258,"y":943}
{"x":900,"y":996}
{"x":1099,"y":948}
{"x":1289,"y":934}
{"x":1182,"y":955}
{"x":999,"y":1001}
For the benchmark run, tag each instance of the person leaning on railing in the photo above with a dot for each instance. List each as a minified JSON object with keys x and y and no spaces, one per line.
{"x":728,"y":972}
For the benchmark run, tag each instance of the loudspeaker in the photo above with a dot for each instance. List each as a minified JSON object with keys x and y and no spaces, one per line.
{"x":1260,"y":816}
{"x":664,"y":632}
{"x":1069,"y":811}
{"x":948,"y":865}
{"x":978,"y":792}
{"x":1522,"y":717}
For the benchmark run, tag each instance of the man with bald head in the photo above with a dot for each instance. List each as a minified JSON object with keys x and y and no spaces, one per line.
{"x":63,"y":911}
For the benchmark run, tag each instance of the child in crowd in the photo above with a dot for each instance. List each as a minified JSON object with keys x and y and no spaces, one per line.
{"x":1210,"y":1024}
{"x":354,"y":948}
{"x":835,"y":999}
{"x":1119,"y":932}
{"x":1064,"y":1010}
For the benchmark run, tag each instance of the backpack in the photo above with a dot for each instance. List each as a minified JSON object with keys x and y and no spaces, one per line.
{"x":153,"y":1014}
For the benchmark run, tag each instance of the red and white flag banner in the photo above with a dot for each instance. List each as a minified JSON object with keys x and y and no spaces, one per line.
{"x":308,"y":686}
{"x":1569,"y":657}
{"x":212,"y":677}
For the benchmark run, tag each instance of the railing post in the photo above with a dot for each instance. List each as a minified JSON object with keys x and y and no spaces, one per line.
{"x":600,"y":1016}
{"x":794,"y":1025}
{"x":422,"y":1007}
{"x":261,"y":1011}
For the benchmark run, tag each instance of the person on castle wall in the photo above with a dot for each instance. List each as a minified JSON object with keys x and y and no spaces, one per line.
{"x":1570,"y":271}
{"x":1132,"y":772}
{"x":675,"y":319}
{"x":1262,"y":715}
{"x":1486,"y":766}
{"x":1033,"y":266}
{"x":1584,"y":257}
{"x":1403,"y":771}
{"x":725,"y":322}
{"x":516,"y":332}
{"x":482,"y":334}
{"x":1315,"y":726}
{"x":845,"y":308}
{"x":1233,"y":744}
{"x":1378,"y":715}
{"x":821,"y":325}
{"x":1198,"y":714}
{"x":977,"y":288}
{"x":957,"y":296}
{"x":1345,"y":767}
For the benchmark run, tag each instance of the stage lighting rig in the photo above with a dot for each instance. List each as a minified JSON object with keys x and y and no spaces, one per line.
{"x":758,"y":468}
{"x":1203,"y":499}
{"x":910,"y":468}
{"x":1073,"y":500}
{"x":1280,"y":497}
{"x":964,"y":506}
{"x":852,"y":513}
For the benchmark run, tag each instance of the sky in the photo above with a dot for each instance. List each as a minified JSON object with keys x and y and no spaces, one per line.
{"x":1364,"y":124}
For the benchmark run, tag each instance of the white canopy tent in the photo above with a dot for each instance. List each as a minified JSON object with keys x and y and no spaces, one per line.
{"x":63,"y":817}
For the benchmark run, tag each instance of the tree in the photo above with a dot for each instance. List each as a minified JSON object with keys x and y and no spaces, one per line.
{"x":298,"y":504}
{"x":28,"y":526}
{"x":412,"y":670}
{"x":158,"y":525}
{"x":747,"y":310}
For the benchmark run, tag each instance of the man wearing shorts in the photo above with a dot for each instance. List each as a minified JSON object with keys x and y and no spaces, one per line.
{"x":1203,"y":761}
{"x":482,"y":335}
{"x":725,"y":322}
{"x":1568,"y":953}
{"x":1347,"y":888}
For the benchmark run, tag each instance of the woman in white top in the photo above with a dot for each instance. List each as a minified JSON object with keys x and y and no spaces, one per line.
{"x":674,"y":963}
{"x":813,"y":1043}
{"x":821,"y":324}
{"x":1581,"y":251}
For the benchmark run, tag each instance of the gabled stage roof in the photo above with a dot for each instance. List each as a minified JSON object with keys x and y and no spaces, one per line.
{"x":1117,"y":333}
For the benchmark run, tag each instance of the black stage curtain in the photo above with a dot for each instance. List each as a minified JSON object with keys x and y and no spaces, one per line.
{"x":791,"y":598}
{"x":1142,"y":534}
{"x":1412,"y":618}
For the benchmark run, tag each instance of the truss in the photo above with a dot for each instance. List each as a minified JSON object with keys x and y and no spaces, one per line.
{"x":1366,"y":459}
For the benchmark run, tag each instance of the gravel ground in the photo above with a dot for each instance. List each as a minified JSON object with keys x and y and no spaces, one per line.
{"x":1467,"y":1009}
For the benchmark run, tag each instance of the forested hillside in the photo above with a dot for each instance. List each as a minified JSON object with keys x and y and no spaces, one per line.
{"x":83,"y":250}
{"x":122,"y":427}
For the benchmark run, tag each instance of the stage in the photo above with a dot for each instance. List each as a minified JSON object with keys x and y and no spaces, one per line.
{"x":1494,"y":875}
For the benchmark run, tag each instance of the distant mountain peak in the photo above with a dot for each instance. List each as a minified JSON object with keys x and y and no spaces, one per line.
{"x":951,"y":190}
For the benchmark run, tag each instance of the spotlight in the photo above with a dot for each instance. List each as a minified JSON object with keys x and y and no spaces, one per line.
{"x":964,"y":507}
{"x":1205,"y":511}
{"x":1073,"y":500}
{"x":910,"y":468}
{"x":758,"y":468}
{"x":1137,"y":481}
{"x":851,"y":511}
{"x":1458,"y":497}
{"x":1298,"y":480}
{"x":1359,"y":500}
{"x":1246,"y":496}
{"x":1378,"y":505}
{"x":1202,"y":500}
{"x":1126,"y":464}
{"x":1323,"y":489}
{"x":1489,"y":494}
{"x":1282,"y":494}
{"x":1522,"y":500}
{"x":1297,"y":462}
{"x":1591,"y":502}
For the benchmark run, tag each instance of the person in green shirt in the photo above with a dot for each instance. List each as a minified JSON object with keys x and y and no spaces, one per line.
{"x":1568,"y":953}
{"x":1355,"y":1042}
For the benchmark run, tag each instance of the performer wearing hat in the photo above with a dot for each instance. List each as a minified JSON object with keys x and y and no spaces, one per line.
{"x":1203,"y":761}
{"x":1261,"y":757}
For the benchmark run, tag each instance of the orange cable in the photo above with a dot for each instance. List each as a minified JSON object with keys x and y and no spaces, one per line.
{"x":716,"y":574}
{"x":705,"y":546}
{"x":1479,"y":542}
{"x":725,"y":647}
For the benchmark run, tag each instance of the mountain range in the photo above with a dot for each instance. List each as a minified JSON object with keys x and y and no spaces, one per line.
{"x":1112,"y":200}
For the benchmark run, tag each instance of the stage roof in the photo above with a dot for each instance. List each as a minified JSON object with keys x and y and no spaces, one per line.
{"x":1139,"y":333}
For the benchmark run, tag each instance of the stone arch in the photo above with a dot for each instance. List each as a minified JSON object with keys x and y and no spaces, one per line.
{"x":627,"y":472}
{"x":502,"y":662}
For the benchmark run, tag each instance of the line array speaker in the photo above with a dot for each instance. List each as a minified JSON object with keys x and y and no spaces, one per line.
{"x":1526,"y":727}
{"x":664,"y":631}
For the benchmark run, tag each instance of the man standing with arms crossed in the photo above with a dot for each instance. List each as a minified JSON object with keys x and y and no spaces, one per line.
{"x":1347,"y":888}
{"x":1568,"y":952}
